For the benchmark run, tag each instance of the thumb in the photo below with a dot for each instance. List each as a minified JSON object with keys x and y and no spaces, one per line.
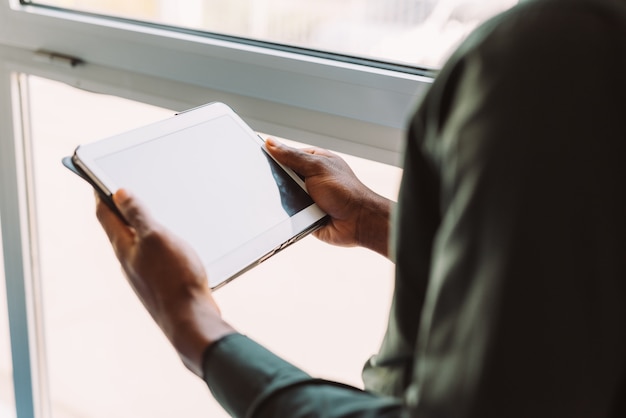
{"x":133,"y":211}
{"x":303,"y":162}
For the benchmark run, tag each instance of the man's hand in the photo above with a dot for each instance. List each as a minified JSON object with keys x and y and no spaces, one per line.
{"x":167,"y":276}
{"x":358,"y":215}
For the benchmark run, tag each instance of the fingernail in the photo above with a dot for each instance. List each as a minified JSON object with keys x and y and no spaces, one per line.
{"x":272,"y":143}
{"x":121,"y":196}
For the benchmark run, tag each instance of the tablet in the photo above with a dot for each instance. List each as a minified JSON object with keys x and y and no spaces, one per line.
{"x":206,"y":176}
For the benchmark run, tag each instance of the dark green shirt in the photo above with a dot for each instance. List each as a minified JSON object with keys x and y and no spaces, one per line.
{"x":510,"y":245}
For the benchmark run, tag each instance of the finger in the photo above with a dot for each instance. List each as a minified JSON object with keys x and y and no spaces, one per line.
{"x":134,"y":212}
{"x":119,"y":234}
{"x":306,"y":162}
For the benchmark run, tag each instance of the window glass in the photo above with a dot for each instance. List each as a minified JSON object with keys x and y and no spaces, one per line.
{"x":415,"y":32}
{"x":322,"y":307}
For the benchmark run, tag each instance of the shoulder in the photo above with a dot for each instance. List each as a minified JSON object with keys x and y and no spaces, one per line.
{"x":540,"y":46}
{"x":538,"y":61}
{"x":550,"y":30}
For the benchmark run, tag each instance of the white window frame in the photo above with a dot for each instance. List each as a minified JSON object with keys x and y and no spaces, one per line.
{"x":357,"y":109}
{"x":350,"y":107}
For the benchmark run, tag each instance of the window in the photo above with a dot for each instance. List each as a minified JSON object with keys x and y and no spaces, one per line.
{"x":419,"y":33}
{"x":341,"y":104}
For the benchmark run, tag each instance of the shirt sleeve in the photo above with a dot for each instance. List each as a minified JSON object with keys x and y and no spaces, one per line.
{"x":250,"y":381}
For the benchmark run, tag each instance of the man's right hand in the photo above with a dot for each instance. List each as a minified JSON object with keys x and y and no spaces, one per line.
{"x":358,"y":216}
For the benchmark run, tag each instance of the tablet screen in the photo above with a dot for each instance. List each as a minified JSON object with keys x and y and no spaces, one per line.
{"x":197,"y":189}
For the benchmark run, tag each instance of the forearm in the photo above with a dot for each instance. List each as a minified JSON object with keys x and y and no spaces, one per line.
{"x":195,"y":327}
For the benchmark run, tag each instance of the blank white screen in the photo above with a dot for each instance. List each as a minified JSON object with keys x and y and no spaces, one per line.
{"x":202,"y":187}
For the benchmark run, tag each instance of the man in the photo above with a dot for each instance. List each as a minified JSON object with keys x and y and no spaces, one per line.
{"x":510,"y":239}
